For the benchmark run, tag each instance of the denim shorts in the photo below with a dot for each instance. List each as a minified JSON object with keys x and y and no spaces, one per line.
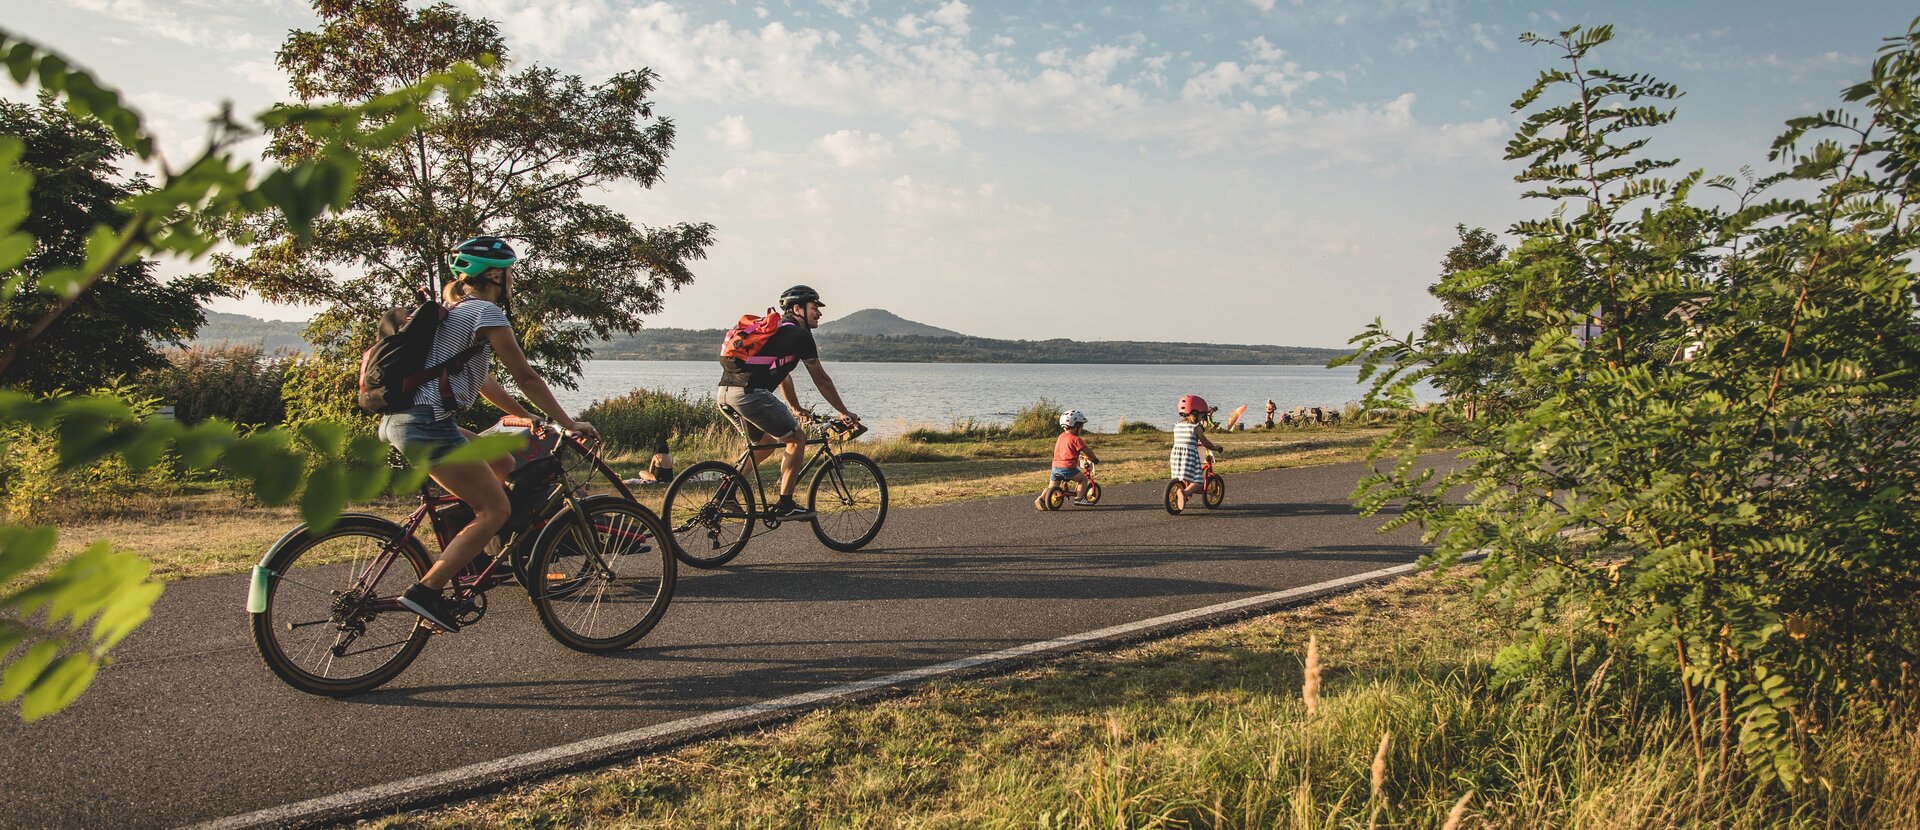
{"x":1065,"y":473}
{"x":417,"y":427}
{"x":764,"y":412}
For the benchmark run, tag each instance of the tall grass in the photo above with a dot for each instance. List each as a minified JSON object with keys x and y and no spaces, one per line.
{"x":644,"y":418}
{"x":237,"y":382}
{"x":1040,"y":419}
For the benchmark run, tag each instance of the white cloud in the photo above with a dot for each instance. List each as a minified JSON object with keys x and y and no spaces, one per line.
{"x":1263,"y":5}
{"x":930,"y":133}
{"x":953,"y":16}
{"x":848,"y":148}
{"x":731,"y":132}
{"x":215,"y":29}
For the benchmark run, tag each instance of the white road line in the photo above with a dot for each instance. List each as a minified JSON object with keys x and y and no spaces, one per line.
{"x":398,"y":791}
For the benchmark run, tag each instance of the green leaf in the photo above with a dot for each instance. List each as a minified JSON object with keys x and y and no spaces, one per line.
{"x":325,"y":436}
{"x":20,"y":674}
{"x":58,"y":686}
{"x":21,"y":548}
{"x":21,"y":61}
{"x":326,"y":494}
{"x":125,"y":612}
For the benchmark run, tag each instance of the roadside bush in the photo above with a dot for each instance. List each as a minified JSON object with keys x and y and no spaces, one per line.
{"x":318,"y":388}
{"x":639,"y":420}
{"x":238,"y":382}
{"x":33,"y":488}
{"x":1706,"y":449}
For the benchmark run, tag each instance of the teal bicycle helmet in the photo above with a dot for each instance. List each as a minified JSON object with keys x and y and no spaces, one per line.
{"x":477,"y":256}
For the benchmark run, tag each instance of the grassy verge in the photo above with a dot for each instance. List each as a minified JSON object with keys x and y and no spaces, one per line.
{"x":212,"y":531}
{"x":1210,"y":730}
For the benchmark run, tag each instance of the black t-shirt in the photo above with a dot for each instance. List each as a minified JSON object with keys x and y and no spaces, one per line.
{"x":788,"y":346}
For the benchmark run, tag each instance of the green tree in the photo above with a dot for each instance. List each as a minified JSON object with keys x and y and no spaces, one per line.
{"x":1722,"y":490}
{"x":1467,"y":328}
{"x":110,"y":330}
{"x":59,"y":623}
{"x":513,"y":160}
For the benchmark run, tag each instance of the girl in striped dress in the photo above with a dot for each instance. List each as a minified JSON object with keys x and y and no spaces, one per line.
{"x":1188,"y":437}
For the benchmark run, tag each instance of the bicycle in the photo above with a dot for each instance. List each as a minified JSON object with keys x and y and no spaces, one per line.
{"x":711,"y":510}
{"x":325,"y":607}
{"x":1089,"y":491}
{"x":1212,"y":494}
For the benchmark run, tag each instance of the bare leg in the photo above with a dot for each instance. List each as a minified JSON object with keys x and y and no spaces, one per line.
{"x":475,"y":484}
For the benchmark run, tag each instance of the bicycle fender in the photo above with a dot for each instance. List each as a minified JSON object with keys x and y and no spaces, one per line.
{"x":257,"y":587}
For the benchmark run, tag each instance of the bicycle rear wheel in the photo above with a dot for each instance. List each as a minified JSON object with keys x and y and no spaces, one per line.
{"x":849,"y":500}
{"x":332,"y":623}
{"x":1216,"y":491}
{"x":603,"y":590}
{"x":1173,"y":496}
{"x":709,"y":514}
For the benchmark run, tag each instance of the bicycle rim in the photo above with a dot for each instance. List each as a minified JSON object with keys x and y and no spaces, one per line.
{"x":603,"y":590}
{"x":1092,"y":492}
{"x":1216,"y":492}
{"x":332,"y":625}
{"x":849,"y":500}
{"x":709,"y":514}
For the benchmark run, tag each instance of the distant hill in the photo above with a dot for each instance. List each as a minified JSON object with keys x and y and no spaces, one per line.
{"x":866,"y":336}
{"x":874,"y":322}
{"x":222,"y":327}
{"x":877,"y":336}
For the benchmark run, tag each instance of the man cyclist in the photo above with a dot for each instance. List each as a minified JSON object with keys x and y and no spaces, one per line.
{"x":746,"y":385}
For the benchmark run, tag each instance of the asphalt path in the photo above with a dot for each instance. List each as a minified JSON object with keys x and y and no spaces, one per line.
{"x":188,"y":725}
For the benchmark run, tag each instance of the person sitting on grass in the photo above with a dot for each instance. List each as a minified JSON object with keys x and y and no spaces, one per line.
{"x":1067,"y":451}
{"x":1189,"y":435}
{"x":659,"y":468}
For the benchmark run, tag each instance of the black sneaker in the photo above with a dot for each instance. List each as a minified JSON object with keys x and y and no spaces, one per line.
{"x":431,"y":606}
{"x":789,"y":509}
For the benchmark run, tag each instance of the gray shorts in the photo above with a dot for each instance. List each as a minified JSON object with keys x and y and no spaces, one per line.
{"x":763,"y":411}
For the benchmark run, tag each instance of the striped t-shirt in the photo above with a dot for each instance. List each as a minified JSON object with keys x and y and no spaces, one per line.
{"x":464,"y":322}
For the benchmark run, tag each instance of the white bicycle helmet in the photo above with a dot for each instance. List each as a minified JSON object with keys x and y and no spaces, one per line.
{"x":1072,"y":418}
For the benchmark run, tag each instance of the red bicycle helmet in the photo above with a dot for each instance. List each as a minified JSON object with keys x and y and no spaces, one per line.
{"x":1192,"y":404}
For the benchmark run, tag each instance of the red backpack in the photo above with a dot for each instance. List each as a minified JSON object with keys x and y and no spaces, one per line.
{"x":750,"y":335}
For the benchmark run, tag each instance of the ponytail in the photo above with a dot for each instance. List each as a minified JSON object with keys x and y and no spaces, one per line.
{"x":450,"y":291}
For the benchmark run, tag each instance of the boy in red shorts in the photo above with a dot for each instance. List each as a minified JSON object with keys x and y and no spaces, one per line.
{"x":1066,"y":460}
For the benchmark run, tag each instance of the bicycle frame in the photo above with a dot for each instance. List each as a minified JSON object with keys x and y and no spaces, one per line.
{"x":744,"y":462}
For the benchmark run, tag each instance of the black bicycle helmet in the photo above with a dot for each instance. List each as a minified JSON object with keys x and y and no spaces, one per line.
{"x":799,"y":295}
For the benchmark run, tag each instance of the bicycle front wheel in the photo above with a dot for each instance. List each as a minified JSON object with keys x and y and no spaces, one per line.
{"x":1216,"y":491}
{"x":1091,"y":492}
{"x":602,"y":589}
{"x":849,"y":500}
{"x":333,"y":624}
{"x":709,"y":514}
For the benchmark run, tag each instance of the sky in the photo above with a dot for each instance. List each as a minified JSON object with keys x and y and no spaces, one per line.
{"x":1234,"y":171}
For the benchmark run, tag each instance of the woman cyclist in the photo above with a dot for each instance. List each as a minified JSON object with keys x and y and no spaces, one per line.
{"x":478,"y":288}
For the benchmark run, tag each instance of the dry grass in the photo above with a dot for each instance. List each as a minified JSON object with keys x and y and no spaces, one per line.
{"x":1210,"y":730}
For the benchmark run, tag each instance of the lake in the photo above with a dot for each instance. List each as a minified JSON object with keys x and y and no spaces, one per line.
{"x":895,"y":397}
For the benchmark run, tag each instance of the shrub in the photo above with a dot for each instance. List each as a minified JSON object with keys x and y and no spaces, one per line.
{"x":238,"y":382}
{"x":1041,"y":419}
{"x":33,"y":488}
{"x":1138,"y":426}
{"x":319,"y":388}
{"x":1706,"y":449}
{"x":641,"y":419}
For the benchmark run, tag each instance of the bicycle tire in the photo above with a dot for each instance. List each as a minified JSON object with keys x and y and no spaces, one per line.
{"x":613,"y":609}
{"x":859,"y":501}
{"x":1173,"y":497}
{"x":697,"y":521}
{"x":1055,"y":499}
{"x":313,"y":663}
{"x":1091,"y":492}
{"x":1215,"y":492}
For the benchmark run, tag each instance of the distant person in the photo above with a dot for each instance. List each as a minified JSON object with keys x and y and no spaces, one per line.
{"x":1189,"y":435}
{"x":1067,"y":450}
{"x":746,"y":387}
{"x":1270,"y":408}
{"x":659,"y":468}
